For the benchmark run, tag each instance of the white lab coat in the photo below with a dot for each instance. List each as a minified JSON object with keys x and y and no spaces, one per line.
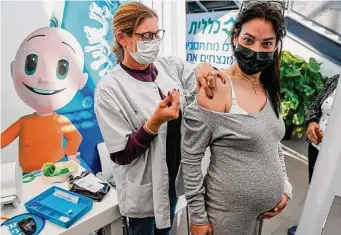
{"x":123,"y":104}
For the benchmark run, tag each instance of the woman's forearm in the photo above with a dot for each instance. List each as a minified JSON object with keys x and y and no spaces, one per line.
{"x":196,"y":137}
{"x":287,"y":185}
{"x":137,"y":145}
{"x":194,"y":188}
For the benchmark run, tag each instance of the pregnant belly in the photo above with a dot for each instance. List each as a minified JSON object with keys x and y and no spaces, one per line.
{"x":257,"y":191}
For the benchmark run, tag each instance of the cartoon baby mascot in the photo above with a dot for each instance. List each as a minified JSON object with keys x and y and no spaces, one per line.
{"x":47,"y":72}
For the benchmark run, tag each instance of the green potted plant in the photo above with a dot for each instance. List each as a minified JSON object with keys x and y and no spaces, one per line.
{"x":300,"y":85}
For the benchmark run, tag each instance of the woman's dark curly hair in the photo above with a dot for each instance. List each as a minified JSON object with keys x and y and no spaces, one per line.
{"x":270,"y":76}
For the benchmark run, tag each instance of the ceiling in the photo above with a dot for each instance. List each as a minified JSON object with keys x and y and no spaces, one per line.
{"x":204,"y":6}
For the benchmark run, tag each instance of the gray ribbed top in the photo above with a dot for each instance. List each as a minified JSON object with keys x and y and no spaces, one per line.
{"x":246,"y":171}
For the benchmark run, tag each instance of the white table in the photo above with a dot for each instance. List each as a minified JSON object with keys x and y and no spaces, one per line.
{"x":104,"y":213}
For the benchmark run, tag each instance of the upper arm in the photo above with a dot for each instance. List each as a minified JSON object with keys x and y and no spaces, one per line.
{"x":287,"y":184}
{"x":10,"y":134}
{"x":71,"y":134}
{"x":114,"y":127}
{"x":196,"y":135}
{"x":221,"y":101}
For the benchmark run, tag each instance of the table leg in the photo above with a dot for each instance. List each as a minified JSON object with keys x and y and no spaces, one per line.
{"x":114,"y":228}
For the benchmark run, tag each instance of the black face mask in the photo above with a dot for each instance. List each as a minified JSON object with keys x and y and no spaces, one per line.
{"x":251,"y":62}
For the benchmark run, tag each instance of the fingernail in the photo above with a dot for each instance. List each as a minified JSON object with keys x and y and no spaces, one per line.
{"x":169,"y":93}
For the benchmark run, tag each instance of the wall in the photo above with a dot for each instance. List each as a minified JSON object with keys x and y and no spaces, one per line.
{"x":18,"y":19}
{"x":172,"y":15}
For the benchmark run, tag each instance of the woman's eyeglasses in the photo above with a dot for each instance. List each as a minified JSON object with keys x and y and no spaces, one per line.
{"x":148,"y":36}
{"x":280,"y":5}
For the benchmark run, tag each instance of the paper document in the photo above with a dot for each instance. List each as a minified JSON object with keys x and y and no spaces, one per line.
{"x":90,"y":182}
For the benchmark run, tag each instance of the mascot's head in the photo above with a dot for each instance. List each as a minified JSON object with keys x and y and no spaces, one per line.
{"x":48,"y":69}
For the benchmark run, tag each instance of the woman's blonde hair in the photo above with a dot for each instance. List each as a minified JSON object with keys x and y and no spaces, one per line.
{"x":126,"y":19}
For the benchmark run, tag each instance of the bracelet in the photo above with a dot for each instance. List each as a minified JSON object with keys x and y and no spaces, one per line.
{"x":148,"y":130}
{"x":28,"y":178}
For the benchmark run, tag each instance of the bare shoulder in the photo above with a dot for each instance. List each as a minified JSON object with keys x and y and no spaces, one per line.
{"x":221,"y":96}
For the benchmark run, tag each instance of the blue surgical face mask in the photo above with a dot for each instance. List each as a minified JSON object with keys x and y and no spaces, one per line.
{"x":147,"y":52}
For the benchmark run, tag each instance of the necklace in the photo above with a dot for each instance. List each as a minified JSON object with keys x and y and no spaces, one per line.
{"x":252,"y":83}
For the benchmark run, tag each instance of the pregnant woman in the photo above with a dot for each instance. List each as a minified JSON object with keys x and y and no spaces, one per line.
{"x":246,"y":179}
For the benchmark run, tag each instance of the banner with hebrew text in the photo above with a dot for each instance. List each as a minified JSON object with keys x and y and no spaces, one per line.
{"x":208,"y":38}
